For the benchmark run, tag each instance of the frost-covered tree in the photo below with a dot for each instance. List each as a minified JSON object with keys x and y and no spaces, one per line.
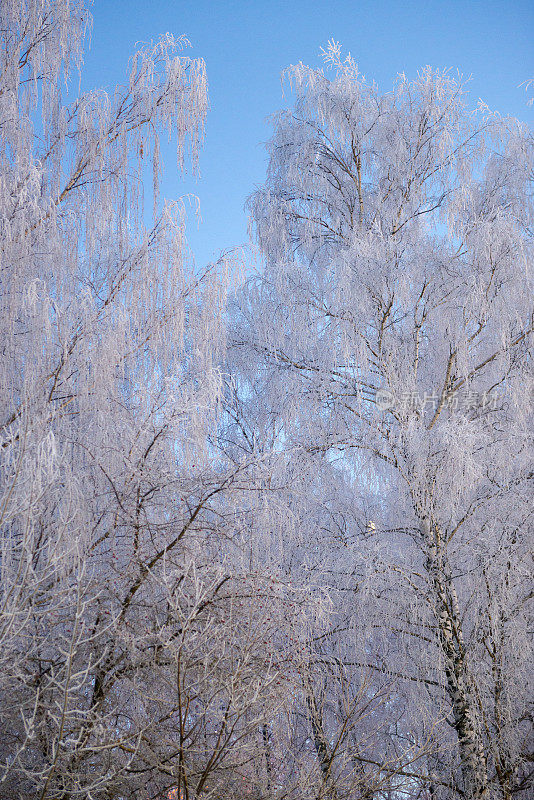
{"x":135,"y":659}
{"x":303,"y":574}
{"x":392,"y":330}
{"x":338,"y":734}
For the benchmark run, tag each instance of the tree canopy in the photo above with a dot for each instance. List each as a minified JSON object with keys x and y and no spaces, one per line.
{"x":262,"y":535}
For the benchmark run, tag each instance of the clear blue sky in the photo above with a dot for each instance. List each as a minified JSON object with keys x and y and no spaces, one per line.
{"x":246,"y":45}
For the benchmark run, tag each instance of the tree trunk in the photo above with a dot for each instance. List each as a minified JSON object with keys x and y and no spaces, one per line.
{"x":320,"y":742}
{"x":472,"y":758}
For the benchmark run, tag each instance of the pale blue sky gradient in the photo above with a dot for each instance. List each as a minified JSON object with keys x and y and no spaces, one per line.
{"x":246,"y":45}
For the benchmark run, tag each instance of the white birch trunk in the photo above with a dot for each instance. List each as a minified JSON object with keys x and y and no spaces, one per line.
{"x":473,"y":762}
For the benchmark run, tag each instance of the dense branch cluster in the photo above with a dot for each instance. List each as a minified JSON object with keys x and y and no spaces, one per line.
{"x":266,"y":542}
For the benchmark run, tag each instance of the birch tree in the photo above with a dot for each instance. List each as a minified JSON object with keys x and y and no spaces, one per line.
{"x":394,"y":320}
{"x":135,"y":658}
{"x":346,"y":729}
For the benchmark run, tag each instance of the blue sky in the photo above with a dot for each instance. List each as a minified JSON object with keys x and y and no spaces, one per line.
{"x":246,"y":45}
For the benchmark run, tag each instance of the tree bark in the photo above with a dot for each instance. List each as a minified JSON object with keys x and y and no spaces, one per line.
{"x":320,"y":742}
{"x":445,"y":600}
